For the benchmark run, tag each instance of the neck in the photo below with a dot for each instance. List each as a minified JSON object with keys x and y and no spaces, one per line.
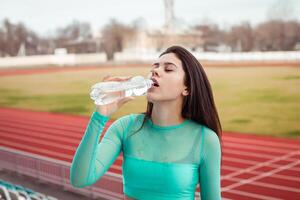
{"x":167,"y":113}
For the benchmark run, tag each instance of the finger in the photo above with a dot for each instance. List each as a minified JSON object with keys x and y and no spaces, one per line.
{"x":118,"y":78}
{"x":125,"y":100}
{"x":123,"y":77}
{"x":106,"y":77}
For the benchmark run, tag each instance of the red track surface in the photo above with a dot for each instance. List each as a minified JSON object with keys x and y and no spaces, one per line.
{"x":254,"y":167}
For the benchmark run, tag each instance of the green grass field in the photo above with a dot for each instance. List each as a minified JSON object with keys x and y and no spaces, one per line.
{"x":260,"y":100}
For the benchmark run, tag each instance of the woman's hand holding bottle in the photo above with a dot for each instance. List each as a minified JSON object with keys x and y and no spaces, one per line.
{"x":109,"y":109}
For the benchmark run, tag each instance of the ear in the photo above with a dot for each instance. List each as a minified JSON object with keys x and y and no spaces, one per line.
{"x":185,"y":92}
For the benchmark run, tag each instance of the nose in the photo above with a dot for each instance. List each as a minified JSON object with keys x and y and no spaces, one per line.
{"x":155,"y":72}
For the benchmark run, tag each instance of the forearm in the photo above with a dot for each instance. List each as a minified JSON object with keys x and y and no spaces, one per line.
{"x":83,"y":163}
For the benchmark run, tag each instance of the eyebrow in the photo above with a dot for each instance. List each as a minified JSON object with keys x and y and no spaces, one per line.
{"x":166,"y":63}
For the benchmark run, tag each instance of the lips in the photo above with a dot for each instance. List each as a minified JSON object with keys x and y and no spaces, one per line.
{"x":155,"y":82}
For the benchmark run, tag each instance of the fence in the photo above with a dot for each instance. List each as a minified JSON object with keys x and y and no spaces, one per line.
{"x":46,"y":60}
{"x":57,"y":172}
{"x":98,"y":58}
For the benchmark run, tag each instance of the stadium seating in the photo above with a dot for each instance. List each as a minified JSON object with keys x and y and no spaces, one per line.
{"x":9,"y":191}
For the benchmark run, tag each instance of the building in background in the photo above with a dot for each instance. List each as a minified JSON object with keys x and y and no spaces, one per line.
{"x":173,"y":32}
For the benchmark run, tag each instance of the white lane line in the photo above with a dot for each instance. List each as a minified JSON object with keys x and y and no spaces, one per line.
{"x":253,"y":195}
{"x":285,"y":177}
{"x":297,"y":169}
{"x":117,"y":167}
{"x":262,"y":142}
{"x":268,"y":185}
{"x":251,"y":162}
{"x":261,"y":164}
{"x":198,"y":196}
{"x":260,"y":176}
{"x":247,"y":153}
{"x":223,"y":198}
{"x":245,"y":146}
{"x":239,"y":160}
{"x":257,"y":155}
{"x":289,"y":178}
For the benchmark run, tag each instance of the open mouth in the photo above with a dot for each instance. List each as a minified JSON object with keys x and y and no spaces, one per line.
{"x":155,"y":83}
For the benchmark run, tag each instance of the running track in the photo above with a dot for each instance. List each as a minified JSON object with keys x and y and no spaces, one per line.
{"x":254,"y":167}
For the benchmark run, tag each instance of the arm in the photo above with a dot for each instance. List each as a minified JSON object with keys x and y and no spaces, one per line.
{"x":210,"y":167}
{"x":93,"y":159}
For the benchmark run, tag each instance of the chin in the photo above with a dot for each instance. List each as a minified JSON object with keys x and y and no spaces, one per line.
{"x":151,"y":98}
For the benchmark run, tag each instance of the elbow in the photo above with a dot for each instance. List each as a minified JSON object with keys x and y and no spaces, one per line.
{"x":77,"y":183}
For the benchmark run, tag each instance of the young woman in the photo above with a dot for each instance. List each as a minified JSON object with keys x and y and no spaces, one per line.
{"x":168,"y":149}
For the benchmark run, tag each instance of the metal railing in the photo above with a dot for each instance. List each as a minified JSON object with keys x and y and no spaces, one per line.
{"x":57,"y":172}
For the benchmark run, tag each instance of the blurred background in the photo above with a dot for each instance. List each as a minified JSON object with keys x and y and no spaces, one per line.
{"x":250,"y":50}
{"x":52,"y":52}
{"x":42,"y":28}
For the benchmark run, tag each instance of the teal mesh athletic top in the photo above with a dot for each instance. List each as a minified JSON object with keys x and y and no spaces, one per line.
{"x":159,"y":162}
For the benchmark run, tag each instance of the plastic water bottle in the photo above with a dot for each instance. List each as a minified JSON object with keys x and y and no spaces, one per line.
{"x":107,"y":92}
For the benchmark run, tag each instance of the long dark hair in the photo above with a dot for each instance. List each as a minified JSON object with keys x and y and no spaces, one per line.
{"x":199,"y":105}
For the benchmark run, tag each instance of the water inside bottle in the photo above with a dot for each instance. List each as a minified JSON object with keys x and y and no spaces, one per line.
{"x":113,"y":91}
{"x":109,"y":97}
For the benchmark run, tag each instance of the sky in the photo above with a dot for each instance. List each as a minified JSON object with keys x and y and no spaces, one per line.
{"x":45,"y":16}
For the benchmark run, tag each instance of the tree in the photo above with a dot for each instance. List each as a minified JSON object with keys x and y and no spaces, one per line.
{"x":240,"y":37}
{"x":277,"y":35}
{"x":2,"y":42}
{"x":75,"y":37}
{"x":114,"y":35}
{"x":211,"y":35}
{"x":13,"y":36}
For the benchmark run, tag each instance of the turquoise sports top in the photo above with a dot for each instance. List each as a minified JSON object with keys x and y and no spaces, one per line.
{"x":159,"y":162}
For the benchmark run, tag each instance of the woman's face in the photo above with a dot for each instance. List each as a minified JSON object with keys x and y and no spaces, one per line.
{"x":169,"y":73}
